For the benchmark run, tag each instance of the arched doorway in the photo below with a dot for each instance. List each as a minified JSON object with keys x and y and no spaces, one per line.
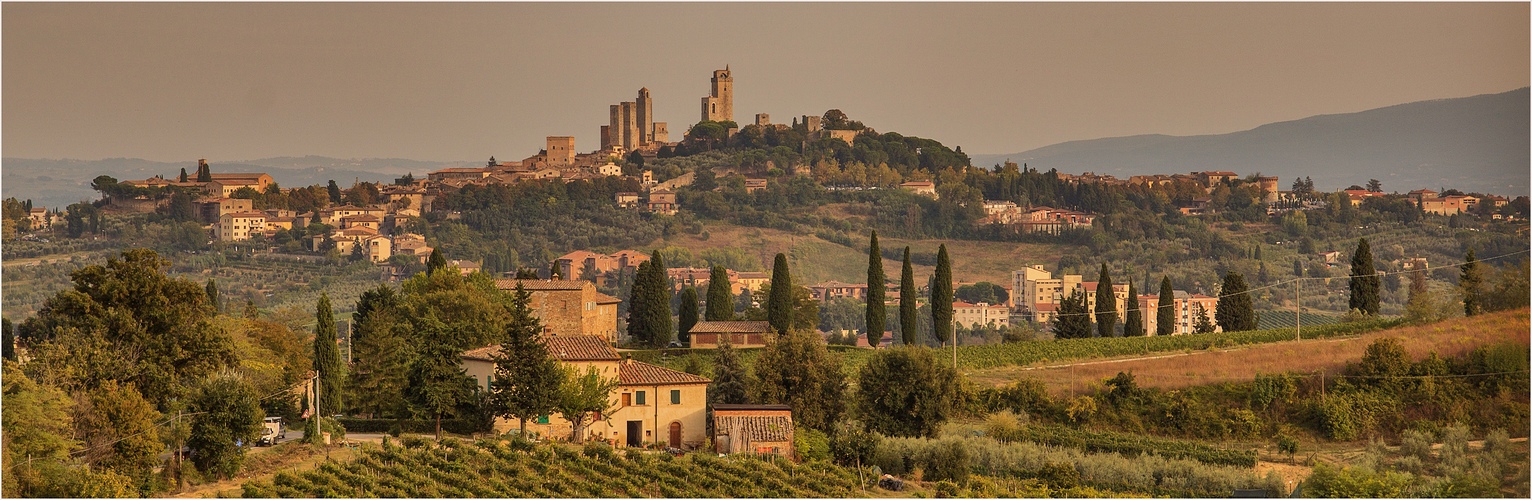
{"x":675,"y":434}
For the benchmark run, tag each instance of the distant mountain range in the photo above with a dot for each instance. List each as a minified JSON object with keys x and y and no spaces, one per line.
{"x":58,"y":183}
{"x":1478,"y":143}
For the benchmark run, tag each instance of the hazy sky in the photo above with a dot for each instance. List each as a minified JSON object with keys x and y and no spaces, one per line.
{"x":173,"y":82}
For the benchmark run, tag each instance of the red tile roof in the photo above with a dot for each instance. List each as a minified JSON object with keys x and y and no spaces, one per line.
{"x":510,"y":284}
{"x":640,"y":373}
{"x":731,"y":327}
{"x":562,"y":348}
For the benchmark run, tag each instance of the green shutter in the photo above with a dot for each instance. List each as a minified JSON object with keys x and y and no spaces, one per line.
{"x":638,"y":399}
{"x":675,"y":396}
{"x":543,"y":420}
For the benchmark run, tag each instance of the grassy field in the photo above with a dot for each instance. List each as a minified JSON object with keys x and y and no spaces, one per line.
{"x":1448,"y":338}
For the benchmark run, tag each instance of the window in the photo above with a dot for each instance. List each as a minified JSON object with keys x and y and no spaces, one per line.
{"x":675,"y":396}
{"x":638,"y":398}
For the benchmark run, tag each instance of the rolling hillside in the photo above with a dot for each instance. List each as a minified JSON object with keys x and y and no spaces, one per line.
{"x":1477,"y":143}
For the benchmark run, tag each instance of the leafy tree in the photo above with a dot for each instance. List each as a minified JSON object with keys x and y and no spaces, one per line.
{"x":797,"y":369}
{"x":905,"y":392}
{"x":1471,"y":283}
{"x":527,"y":378}
{"x":437,"y":384}
{"x":230,"y":419}
{"x":1420,"y":308}
{"x":327,"y":360}
{"x":1133,"y":324}
{"x":909,"y":319}
{"x":1106,"y":305}
{"x":688,"y":314}
{"x":1202,"y":325}
{"x":1165,"y":314}
{"x":941,"y":297}
{"x":129,"y":322}
{"x":1364,"y":280}
{"x":731,"y":383}
{"x":720,"y":301}
{"x":118,"y":427}
{"x":582,"y":395}
{"x":334,"y":191}
{"x":1236,"y":311}
{"x":779,"y":303}
{"x":251,"y":312}
{"x":1073,"y":319}
{"x":1512,"y":289}
{"x":983,"y":291}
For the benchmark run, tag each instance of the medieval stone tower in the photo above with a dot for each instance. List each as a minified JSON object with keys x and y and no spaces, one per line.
{"x":631,"y":124}
{"x":719,"y":105}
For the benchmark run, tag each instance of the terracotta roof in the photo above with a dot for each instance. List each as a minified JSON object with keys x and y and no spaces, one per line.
{"x":362,"y":218}
{"x":510,"y":284}
{"x":756,"y":428}
{"x":731,"y":327}
{"x":244,"y":214}
{"x":602,"y":298}
{"x":640,"y":373}
{"x":561,"y":347}
{"x":1045,"y":307}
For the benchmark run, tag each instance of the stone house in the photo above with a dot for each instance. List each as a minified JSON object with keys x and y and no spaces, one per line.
{"x":923,"y":188}
{"x":741,"y":428}
{"x":663,"y":201}
{"x":224,"y":185}
{"x":835,"y":289}
{"x":1185,"y":305}
{"x":651,"y":404}
{"x":980,"y":315}
{"x":240,"y":226}
{"x":212,"y":210}
{"x":570,"y":307}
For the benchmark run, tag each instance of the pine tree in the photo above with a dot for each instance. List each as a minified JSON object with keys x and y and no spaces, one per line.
{"x":909,"y":312}
{"x":1236,"y":311}
{"x":381,"y":356}
{"x":212,"y":296}
{"x":720,"y":301}
{"x":876,"y":312}
{"x":1364,"y":280}
{"x":1471,"y":282}
{"x":941,"y":297}
{"x":334,"y":191}
{"x":327,"y":361}
{"x":688,"y":314}
{"x":527,"y":378}
{"x":1203,"y":325}
{"x":1420,"y":308}
{"x":1073,"y":319}
{"x":437,"y":384}
{"x":435,"y":262}
{"x":1106,"y":305}
{"x":1165,"y":314}
{"x":731,"y":383}
{"x":1133,"y":322}
{"x":779,"y":305}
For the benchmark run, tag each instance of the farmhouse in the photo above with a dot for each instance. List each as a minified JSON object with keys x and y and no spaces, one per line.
{"x":570,"y":307}
{"x":709,"y":334}
{"x":753,"y":429}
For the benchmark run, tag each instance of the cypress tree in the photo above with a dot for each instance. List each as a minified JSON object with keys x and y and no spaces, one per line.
{"x":1236,"y":311}
{"x":639,"y":299}
{"x":250,"y":311}
{"x":659,"y":302}
{"x":1364,"y":280}
{"x":876,"y":312}
{"x":9,"y":341}
{"x":212,"y":295}
{"x":1298,"y":268}
{"x":182,"y":178}
{"x":1133,"y":320}
{"x":720,"y":302}
{"x":909,"y":310}
{"x":526,"y":384}
{"x":435,"y":261}
{"x":1106,"y":305}
{"x":1471,"y":281}
{"x":941,"y":297}
{"x":688,"y":314}
{"x":205,"y":173}
{"x":327,"y":362}
{"x":334,"y":191}
{"x":779,"y":305}
{"x":1165,"y":314}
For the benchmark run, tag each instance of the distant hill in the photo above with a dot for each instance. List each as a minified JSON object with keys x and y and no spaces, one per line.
{"x":1477,"y":143}
{"x":58,"y":183}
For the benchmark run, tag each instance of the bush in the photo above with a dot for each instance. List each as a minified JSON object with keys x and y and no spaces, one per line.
{"x":1059,"y":475}
{"x":1416,"y":443}
{"x":1351,"y":482}
{"x":811,"y":445}
{"x":599,"y":451}
{"x":394,"y":427}
{"x":946,"y":461}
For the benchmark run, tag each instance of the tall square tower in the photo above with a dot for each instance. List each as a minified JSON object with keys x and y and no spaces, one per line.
{"x":719,"y":104}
